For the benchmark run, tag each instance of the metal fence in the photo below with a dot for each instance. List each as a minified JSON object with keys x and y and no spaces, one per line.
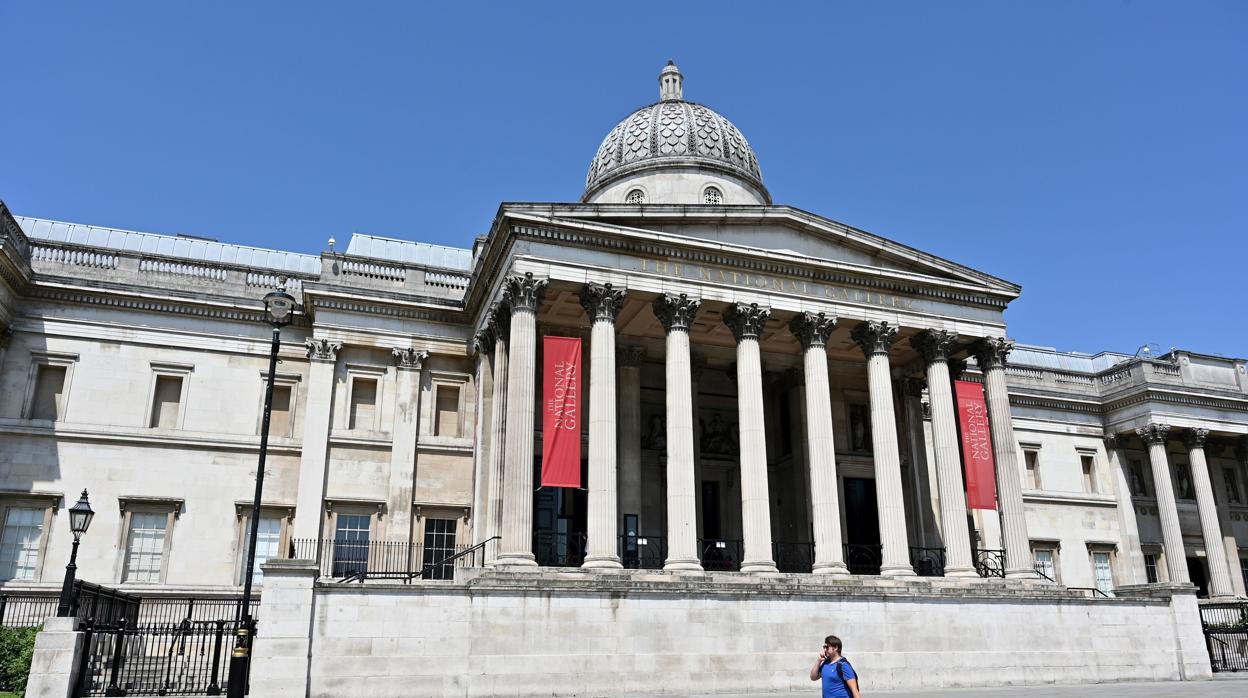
{"x":89,"y":601}
{"x":341,"y":558}
{"x":927,"y":562}
{"x":25,"y":610}
{"x":1226,"y":635}
{"x":990,"y":562}
{"x":190,"y":657}
{"x":863,"y":558}
{"x":643,"y":552}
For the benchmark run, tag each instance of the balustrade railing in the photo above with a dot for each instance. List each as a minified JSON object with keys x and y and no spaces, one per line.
{"x":555,"y":549}
{"x":793,"y":557}
{"x":642,"y":552}
{"x":864,"y":558}
{"x":990,"y":562}
{"x":720,"y":555}
{"x":25,"y":610}
{"x":350,"y":558}
{"x":927,"y":562}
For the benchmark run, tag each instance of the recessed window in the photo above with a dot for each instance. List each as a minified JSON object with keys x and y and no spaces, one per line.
{"x":1045,"y":556}
{"x":49,"y":400}
{"x":447,"y":419}
{"x":439,"y":545}
{"x":166,"y":402}
{"x":268,"y":544}
{"x":712,"y":196}
{"x":363,"y":413}
{"x":351,"y":536}
{"x":1089,"y":473}
{"x":1150,"y":568}
{"x":1031,"y":457}
{"x":636,"y":196}
{"x":279,"y":414}
{"x":145,"y":546}
{"x":1103,"y":571}
{"x":20,"y":539}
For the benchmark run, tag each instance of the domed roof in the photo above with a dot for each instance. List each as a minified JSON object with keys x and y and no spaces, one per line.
{"x":673,"y":132}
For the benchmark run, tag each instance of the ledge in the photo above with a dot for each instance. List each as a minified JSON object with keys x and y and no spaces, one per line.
{"x":201,"y":440}
{"x":1046,"y":497}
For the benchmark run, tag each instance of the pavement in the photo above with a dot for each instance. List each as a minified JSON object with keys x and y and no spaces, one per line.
{"x":1221,"y":686}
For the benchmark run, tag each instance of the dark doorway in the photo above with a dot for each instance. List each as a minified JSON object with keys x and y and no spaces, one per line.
{"x":559,"y":522}
{"x":1196,"y":570}
{"x":862,"y":524}
{"x":711,"y":528}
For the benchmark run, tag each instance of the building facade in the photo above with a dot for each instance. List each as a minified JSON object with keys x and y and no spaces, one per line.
{"x":768,"y":391}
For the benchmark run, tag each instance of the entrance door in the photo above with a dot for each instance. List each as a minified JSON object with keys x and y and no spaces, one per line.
{"x":1196,"y":571}
{"x":862,"y":526}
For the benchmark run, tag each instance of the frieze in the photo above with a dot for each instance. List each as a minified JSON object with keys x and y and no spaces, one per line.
{"x":148,"y":305}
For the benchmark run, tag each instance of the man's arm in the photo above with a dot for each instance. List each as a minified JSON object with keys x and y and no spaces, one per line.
{"x":815,"y":674}
{"x":852,"y":684}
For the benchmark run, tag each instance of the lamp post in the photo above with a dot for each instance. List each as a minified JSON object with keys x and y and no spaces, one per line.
{"x":279,"y":308}
{"x":80,"y":516}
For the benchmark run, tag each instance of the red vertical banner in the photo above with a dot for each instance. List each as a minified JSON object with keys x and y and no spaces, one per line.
{"x":561,"y":412}
{"x":977,"y":460}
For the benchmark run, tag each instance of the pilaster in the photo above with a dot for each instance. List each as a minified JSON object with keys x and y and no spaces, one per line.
{"x":1132,"y":553}
{"x":500,"y":325}
{"x":405,"y":433}
{"x":314,"y":459}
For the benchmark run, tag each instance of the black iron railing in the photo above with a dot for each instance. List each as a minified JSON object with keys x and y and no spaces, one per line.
{"x":25,"y":610}
{"x":990,"y":562}
{"x":555,"y":549}
{"x":163,"y":611}
{"x":720,"y":555}
{"x":927,"y":562}
{"x":1042,"y":574}
{"x":1090,"y":591}
{"x":435,"y":567}
{"x":1226,"y":635}
{"x":863,"y":558}
{"x":342,"y":558}
{"x":184,"y":658}
{"x":793,"y":557}
{"x":643,"y":552}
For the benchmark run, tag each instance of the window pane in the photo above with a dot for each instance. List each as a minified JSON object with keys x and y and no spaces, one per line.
{"x":1104,"y":575}
{"x":19,"y":543}
{"x":166,"y":402}
{"x":447,"y":421}
{"x":279,"y":414}
{"x":439,"y":545}
{"x":268,"y":538}
{"x":1044,"y":563}
{"x":1150,"y":568}
{"x":49,"y":386}
{"x":363,"y":403}
{"x":351,"y":544}
{"x":145,"y":548}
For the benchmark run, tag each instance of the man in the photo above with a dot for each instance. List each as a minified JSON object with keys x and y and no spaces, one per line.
{"x":839,"y":678}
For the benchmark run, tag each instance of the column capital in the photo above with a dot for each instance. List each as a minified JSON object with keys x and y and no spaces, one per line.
{"x":524,"y":292}
{"x":630,"y":356}
{"x":485,"y":338}
{"x":676,"y":312}
{"x":812,"y":329}
{"x":602,"y":302}
{"x":409,"y":359}
{"x":1112,"y":441}
{"x":1195,"y":438}
{"x":991,"y":352}
{"x":874,"y":337}
{"x":746,"y":320}
{"x":322,"y":349}
{"x":1154,"y":434}
{"x":934,"y":345}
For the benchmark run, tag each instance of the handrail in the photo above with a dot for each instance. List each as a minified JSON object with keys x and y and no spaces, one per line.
{"x":361,"y":576}
{"x":1095,"y":592}
{"x":1045,"y":576}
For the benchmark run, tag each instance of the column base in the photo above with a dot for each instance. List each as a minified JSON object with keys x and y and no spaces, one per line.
{"x":759,"y":567}
{"x":682,"y":565}
{"x":610,"y":562}
{"x":898,"y":571}
{"x":965,"y":572}
{"x":835,"y":569}
{"x":515,"y":560}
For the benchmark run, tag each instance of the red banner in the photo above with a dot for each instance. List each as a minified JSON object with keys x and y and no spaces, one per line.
{"x":561,"y":412}
{"x":977,"y":460}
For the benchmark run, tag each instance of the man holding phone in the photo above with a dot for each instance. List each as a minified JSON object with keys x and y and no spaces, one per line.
{"x":839,"y":678}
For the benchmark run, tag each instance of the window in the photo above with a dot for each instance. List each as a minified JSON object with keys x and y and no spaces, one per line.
{"x":1045,"y":556}
{"x":1089,"y":472}
{"x":1232,"y":486}
{"x":20,"y":541}
{"x":712,"y":196}
{"x":351,"y":536}
{"x":447,"y":419}
{"x":166,"y":402}
{"x":636,"y":196}
{"x":439,"y":545}
{"x":279,"y":411}
{"x":1150,"y":568}
{"x":1031,"y":457}
{"x":1139,"y":486}
{"x":268,"y":544}
{"x":49,"y":401}
{"x":282,"y":413}
{"x":363,"y":412}
{"x":1102,"y":571}
{"x":145,"y":546}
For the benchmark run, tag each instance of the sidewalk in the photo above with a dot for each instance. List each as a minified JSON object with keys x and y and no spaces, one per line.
{"x":1222,"y":686}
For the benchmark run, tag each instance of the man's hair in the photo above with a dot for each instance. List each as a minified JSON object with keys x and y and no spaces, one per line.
{"x":834,"y":641}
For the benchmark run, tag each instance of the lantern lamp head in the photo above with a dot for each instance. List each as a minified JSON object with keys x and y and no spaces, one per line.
{"x":80,"y":516}
{"x":279,"y":308}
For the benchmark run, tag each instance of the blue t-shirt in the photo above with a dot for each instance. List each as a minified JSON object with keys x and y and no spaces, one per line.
{"x":833,"y":686}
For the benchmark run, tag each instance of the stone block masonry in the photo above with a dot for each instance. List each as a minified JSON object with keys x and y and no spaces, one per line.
{"x":578,"y":633}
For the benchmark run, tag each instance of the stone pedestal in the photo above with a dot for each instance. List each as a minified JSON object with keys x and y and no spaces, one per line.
{"x":57,"y":657}
{"x":283,"y":647}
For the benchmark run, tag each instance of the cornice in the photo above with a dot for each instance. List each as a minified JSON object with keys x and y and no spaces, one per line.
{"x":378,"y":307}
{"x":71,"y":432}
{"x":117,"y":299}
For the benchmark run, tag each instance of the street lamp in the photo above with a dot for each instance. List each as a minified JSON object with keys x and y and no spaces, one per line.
{"x":279,"y":308}
{"x":80,"y":516}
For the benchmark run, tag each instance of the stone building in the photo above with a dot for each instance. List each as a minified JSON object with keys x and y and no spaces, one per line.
{"x":769,"y":391}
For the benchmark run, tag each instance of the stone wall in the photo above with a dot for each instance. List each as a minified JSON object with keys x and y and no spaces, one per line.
{"x":549,"y":633}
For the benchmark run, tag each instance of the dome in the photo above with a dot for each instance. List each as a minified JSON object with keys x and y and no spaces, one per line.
{"x":676,"y":135}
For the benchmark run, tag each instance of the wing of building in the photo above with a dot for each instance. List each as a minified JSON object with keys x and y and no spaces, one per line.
{"x":768,"y":390}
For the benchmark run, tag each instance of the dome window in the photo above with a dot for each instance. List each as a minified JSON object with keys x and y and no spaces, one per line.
{"x":712,"y":196}
{"x":635,"y":196}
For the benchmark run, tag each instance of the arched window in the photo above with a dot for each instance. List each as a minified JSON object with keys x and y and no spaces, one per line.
{"x":635,"y":196}
{"x":712,"y":196}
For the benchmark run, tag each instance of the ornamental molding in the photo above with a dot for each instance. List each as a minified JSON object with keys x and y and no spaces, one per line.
{"x":991,"y":352}
{"x":746,"y":320}
{"x":387,"y":310}
{"x":322,"y":349}
{"x":409,"y":359}
{"x":874,"y":337}
{"x":108,"y":298}
{"x":602,"y":302}
{"x":630,"y":356}
{"x":812,"y":329}
{"x":676,"y":311}
{"x":524,"y":293}
{"x":934,"y":345}
{"x":1154,"y":434}
{"x":1195,"y":438}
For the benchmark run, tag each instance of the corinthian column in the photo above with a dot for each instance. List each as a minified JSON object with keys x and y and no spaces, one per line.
{"x":812,"y":330}
{"x":676,"y":313}
{"x":1171,"y":535}
{"x":934,"y":346}
{"x":404,"y":435}
{"x":1219,"y":572}
{"x":1136,"y":574}
{"x":602,"y":303}
{"x":746,"y":322}
{"x":493,"y":339}
{"x":523,"y":295}
{"x":990,"y":354}
{"x":875,"y":339}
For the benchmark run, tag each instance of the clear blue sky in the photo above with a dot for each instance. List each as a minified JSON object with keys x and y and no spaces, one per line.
{"x":1096,"y":153}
